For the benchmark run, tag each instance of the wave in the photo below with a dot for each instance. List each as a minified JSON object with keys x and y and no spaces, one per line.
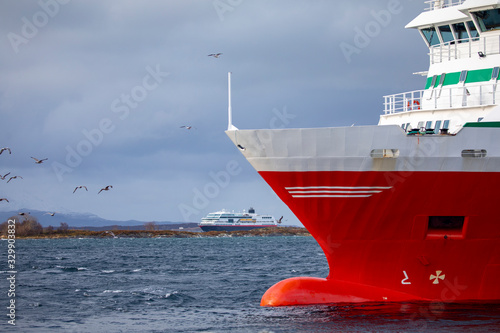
{"x":71,"y":269}
{"x":108,"y":271}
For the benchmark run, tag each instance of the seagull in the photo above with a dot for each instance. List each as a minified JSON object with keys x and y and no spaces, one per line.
{"x":4,"y":199}
{"x":281,"y":218}
{"x":22,"y":214}
{"x":107,"y":188}
{"x":82,"y":186}
{"x":14,"y":178}
{"x":37,"y":161}
{"x":111,"y":233}
{"x":215,"y":55}
{"x":51,"y":214}
{"x":4,"y":149}
{"x":187,"y":127}
{"x":3,"y":177}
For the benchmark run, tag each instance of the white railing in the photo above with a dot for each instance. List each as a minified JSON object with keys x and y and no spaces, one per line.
{"x":465,"y":48}
{"x":442,"y":98}
{"x":438,"y":4}
{"x":407,"y":101}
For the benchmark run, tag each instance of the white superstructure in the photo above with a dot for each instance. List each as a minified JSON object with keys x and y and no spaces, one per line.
{"x":464,"y":54}
{"x":224,"y":220}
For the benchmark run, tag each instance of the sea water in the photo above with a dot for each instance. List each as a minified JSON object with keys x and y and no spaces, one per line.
{"x":196,"y":285}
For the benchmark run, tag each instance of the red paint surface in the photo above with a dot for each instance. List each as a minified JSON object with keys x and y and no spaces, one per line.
{"x":371,"y":243}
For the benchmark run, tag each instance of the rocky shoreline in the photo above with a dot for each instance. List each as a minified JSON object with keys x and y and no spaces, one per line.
{"x":263,"y":232}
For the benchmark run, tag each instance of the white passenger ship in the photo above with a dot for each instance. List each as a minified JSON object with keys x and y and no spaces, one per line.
{"x":231,"y":221}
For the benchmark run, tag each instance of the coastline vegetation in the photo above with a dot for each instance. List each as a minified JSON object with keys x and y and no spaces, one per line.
{"x":29,"y":227}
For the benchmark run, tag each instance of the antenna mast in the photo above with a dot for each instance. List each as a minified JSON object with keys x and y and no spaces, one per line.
{"x":230,"y":126}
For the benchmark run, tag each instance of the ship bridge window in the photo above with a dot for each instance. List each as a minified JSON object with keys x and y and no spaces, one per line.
{"x":446,"y":124}
{"x":437,"y":127}
{"x":461,"y":32}
{"x":446,"y":33}
{"x":488,"y":19}
{"x":474,"y":34}
{"x":431,"y":35}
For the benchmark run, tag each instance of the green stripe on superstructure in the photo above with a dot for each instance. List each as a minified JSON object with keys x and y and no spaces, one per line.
{"x":428,"y":83}
{"x":451,"y":78}
{"x":479,"y":75}
{"x":483,"y":124}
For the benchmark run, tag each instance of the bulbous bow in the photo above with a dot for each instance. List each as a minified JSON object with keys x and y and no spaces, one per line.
{"x":310,"y":290}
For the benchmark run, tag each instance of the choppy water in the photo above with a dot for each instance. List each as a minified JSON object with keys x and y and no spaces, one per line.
{"x":196,"y":285}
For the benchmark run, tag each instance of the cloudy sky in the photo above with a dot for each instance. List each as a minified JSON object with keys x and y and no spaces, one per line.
{"x":102,"y":88}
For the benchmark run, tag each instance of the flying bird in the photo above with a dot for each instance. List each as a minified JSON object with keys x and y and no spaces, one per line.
{"x":51,"y":214}
{"x":187,"y":127}
{"x":22,"y":214}
{"x":4,"y":199}
{"x":215,"y":55}
{"x":82,"y":186}
{"x":3,"y":177}
{"x":37,"y":161}
{"x":107,"y":188}
{"x":281,"y":218}
{"x":4,"y":149}
{"x":14,"y":178}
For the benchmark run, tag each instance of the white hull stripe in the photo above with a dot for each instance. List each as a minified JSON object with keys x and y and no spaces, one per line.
{"x":335,"y":191}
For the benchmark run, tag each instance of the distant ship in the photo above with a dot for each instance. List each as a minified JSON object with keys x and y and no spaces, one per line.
{"x":407,"y":209}
{"x":230,"y":221}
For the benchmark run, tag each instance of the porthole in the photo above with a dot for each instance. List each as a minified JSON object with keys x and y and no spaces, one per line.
{"x":384,"y":153}
{"x":474,"y":153}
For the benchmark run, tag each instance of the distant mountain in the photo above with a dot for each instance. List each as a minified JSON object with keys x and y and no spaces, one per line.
{"x":79,"y":220}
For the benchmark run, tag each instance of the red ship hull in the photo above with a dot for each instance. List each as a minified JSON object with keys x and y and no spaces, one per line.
{"x":394,"y":236}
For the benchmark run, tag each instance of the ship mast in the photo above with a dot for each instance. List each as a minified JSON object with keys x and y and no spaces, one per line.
{"x":230,"y":126}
